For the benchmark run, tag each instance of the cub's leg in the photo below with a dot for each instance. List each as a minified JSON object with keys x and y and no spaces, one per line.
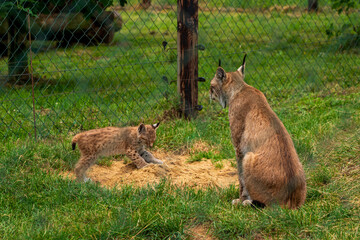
{"x":149,"y":158}
{"x":136,"y":158}
{"x":84,"y":163}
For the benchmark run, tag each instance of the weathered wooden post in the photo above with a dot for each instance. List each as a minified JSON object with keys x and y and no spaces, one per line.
{"x":187,"y":39}
{"x":17,"y":46}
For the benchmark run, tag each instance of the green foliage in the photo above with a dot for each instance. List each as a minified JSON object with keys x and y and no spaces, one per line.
{"x":344,"y":5}
{"x":347,"y":35}
{"x":248,"y":4}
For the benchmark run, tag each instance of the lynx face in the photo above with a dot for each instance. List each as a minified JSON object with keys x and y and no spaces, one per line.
{"x":147,"y":134}
{"x":221,"y":86}
{"x":216,"y":87}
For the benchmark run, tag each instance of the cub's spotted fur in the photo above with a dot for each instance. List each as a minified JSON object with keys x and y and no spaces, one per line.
{"x":269,"y":168}
{"x":130,"y":141}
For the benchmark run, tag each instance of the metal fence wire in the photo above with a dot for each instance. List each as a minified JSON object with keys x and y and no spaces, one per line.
{"x":68,"y":66}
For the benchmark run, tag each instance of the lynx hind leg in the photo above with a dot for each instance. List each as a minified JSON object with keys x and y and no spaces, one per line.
{"x":82,"y":166}
{"x":149,"y":158}
{"x":136,"y":159}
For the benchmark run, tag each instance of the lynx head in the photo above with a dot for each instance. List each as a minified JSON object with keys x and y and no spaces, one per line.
{"x":224,"y":84}
{"x":147,"y":134}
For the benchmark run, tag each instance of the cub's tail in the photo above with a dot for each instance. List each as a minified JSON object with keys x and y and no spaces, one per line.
{"x":74,"y":141}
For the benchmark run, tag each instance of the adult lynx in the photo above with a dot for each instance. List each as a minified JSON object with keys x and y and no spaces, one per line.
{"x":130,"y":141}
{"x":269,"y":168}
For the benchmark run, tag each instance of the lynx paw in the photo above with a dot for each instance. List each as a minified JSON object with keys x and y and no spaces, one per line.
{"x":247,"y":203}
{"x":157,"y":161}
{"x":236,"y":201}
{"x":87,"y":180}
{"x":244,"y":203}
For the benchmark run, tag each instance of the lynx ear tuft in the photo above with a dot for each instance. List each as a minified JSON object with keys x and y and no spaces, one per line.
{"x":156,"y":125}
{"x":219,"y":62}
{"x":141,"y":128}
{"x":241,"y":69}
{"x":220,"y":74}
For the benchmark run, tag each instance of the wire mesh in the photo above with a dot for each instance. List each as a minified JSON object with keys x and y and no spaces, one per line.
{"x":95,"y":65}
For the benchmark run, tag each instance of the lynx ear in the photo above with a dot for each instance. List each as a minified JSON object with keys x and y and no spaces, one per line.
{"x":142,"y":128}
{"x":241,"y":69}
{"x":220,"y":74}
{"x":156,"y":125}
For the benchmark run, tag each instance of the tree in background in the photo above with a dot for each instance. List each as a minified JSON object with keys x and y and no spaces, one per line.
{"x":14,"y":26}
{"x":145,"y":4}
{"x":313,"y":5}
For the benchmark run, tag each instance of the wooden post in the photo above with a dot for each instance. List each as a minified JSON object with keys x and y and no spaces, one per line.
{"x":17,"y":47}
{"x":187,"y":39}
{"x":312,"y":5}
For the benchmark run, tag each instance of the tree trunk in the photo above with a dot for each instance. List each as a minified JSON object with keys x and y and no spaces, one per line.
{"x":312,"y":5}
{"x":17,"y":47}
{"x":145,"y":4}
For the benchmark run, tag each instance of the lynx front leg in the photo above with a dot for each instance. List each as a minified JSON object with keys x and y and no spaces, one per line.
{"x":149,"y":158}
{"x":136,"y":158}
{"x":244,"y":197}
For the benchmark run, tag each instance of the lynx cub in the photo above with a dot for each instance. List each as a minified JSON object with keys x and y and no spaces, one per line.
{"x":130,"y":141}
{"x":269,"y":168}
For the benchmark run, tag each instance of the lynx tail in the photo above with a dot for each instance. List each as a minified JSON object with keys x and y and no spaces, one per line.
{"x":74,"y":140}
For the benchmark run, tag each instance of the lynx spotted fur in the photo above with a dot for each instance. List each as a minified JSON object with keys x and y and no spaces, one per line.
{"x":269,"y":168}
{"x":130,"y":141}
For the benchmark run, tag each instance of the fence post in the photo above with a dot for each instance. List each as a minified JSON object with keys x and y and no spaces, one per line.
{"x":187,"y":59}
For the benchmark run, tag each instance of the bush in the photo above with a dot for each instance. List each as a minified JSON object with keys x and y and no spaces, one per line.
{"x":346,"y":36}
{"x":46,"y":6}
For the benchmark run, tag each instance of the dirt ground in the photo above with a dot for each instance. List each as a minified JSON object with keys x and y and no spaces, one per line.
{"x":176,"y":168}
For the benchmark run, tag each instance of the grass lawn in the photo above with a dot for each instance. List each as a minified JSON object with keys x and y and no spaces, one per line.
{"x":313,"y":89}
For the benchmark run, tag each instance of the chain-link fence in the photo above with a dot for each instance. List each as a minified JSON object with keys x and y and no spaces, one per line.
{"x":68,"y":66}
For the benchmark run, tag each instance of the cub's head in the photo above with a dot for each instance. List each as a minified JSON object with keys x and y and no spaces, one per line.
{"x":147,"y":134}
{"x":223,"y":85}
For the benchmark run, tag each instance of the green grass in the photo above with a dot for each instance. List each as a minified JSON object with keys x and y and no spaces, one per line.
{"x":312,"y":89}
{"x":37,"y":203}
